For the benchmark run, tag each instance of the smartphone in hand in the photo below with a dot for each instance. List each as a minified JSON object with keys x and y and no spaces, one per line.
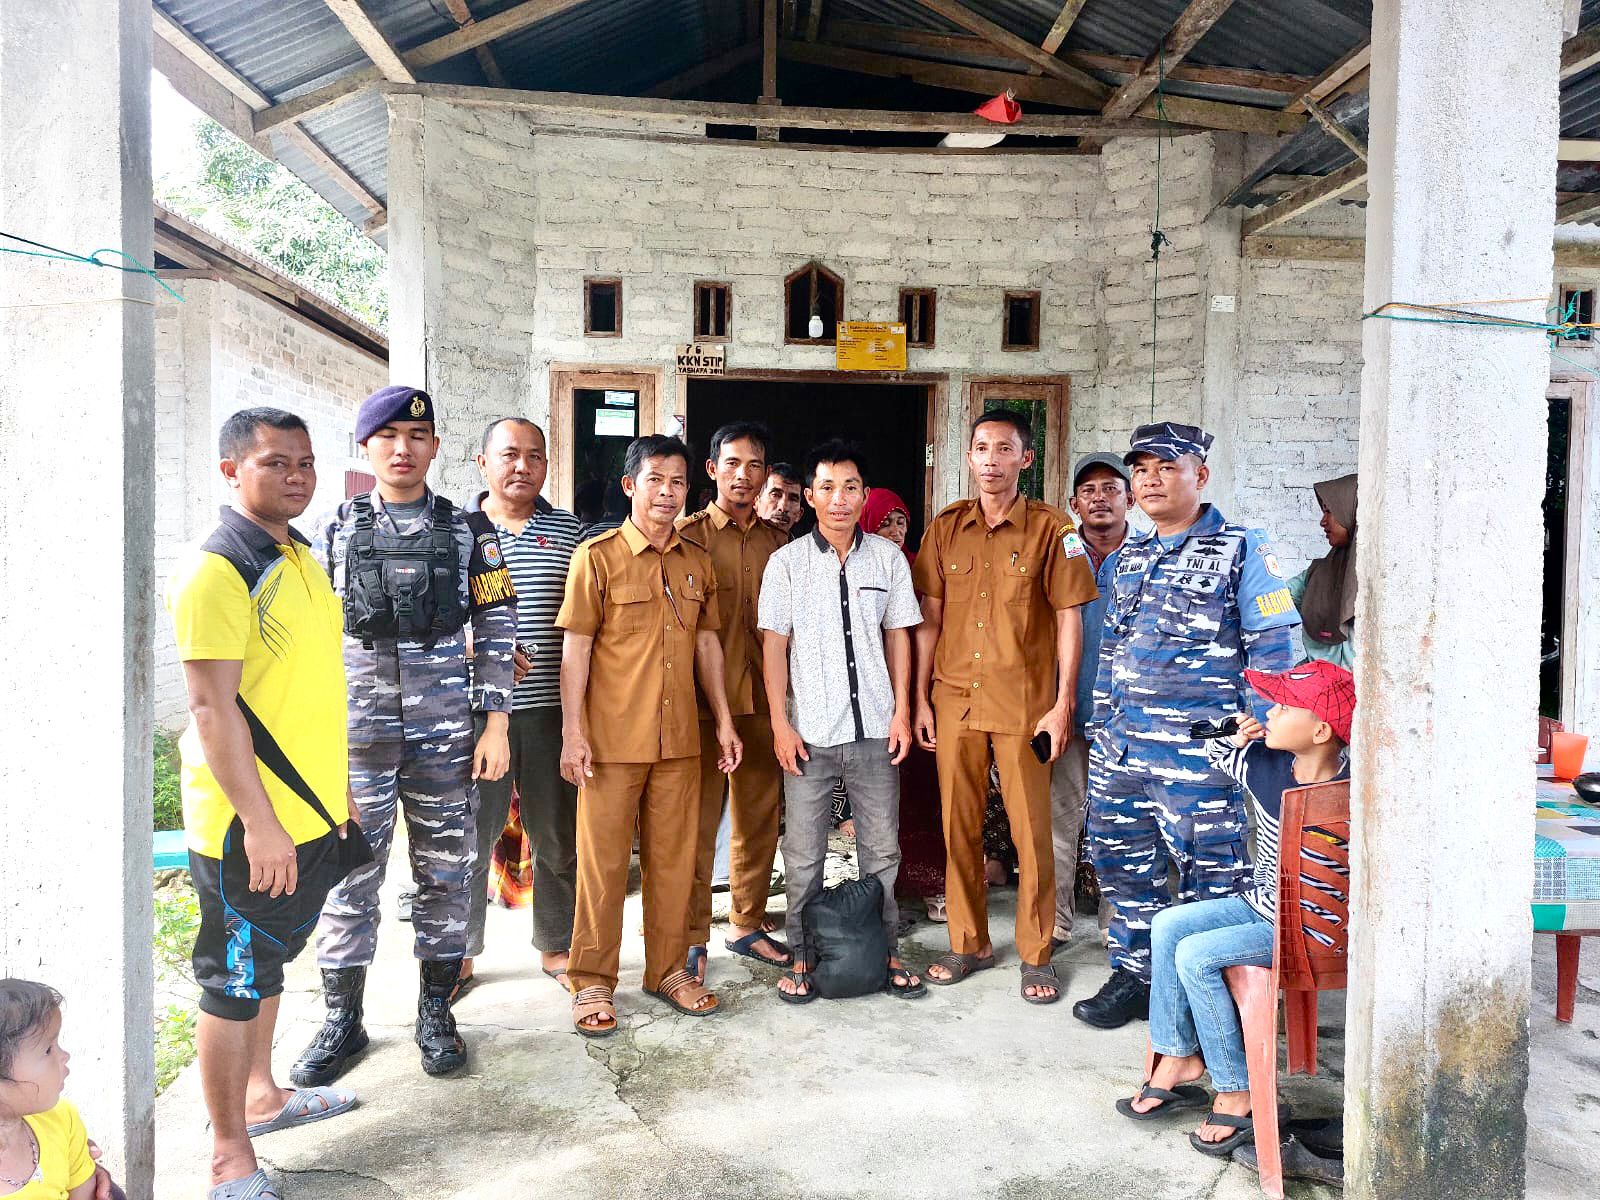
{"x":1040,"y":745}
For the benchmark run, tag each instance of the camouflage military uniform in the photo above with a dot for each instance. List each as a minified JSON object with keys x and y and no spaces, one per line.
{"x":1185,"y":617}
{"x":411,"y":741}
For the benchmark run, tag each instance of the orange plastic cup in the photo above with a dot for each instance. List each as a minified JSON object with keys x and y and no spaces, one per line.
{"x":1566,"y":754}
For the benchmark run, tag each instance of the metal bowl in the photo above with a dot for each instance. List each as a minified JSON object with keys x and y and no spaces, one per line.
{"x":1588,"y":787}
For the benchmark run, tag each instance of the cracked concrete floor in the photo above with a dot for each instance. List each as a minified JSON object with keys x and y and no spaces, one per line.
{"x":967,"y":1093}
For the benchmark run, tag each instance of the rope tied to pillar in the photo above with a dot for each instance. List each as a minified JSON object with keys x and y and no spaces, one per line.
{"x":1457,"y":312}
{"x":1158,"y":238}
{"x":131,"y":265}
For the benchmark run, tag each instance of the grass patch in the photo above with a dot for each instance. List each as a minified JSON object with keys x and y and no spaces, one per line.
{"x":177,"y":920}
{"x":167,"y":799}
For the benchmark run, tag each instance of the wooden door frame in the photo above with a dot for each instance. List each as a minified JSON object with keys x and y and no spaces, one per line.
{"x":937,"y":383}
{"x":565,"y":378}
{"x":1056,"y":392}
{"x":1579,"y":651}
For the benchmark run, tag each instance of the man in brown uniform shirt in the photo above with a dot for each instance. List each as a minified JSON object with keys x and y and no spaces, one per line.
{"x":1000,"y":578}
{"x":739,"y":543}
{"x":640,"y":616}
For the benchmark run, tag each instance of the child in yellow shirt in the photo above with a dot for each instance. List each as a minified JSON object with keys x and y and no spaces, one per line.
{"x":44,"y":1150}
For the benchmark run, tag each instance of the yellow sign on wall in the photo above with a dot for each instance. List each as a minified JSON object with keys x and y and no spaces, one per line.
{"x":871,"y":346}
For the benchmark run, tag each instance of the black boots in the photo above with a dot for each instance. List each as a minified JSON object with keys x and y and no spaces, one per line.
{"x":341,"y":1037}
{"x":1120,"y":999}
{"x":443,"y":1050}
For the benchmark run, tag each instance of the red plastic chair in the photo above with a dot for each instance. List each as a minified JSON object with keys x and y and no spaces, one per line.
{"x":1547,"y":726}
{"x":1302,"y":966}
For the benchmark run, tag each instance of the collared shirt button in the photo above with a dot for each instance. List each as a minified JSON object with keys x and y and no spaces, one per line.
{"x":974,"y":685}
{"x":977,"y":654}
{"x":669,"y":666}
{"x":666,"y":702}
{"x":980,"y":624}
{"x":985,"y":566}
{"x":983,"y":595}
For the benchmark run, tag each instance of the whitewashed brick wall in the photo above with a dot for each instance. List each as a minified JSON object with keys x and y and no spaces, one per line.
{"x":221,"y":350}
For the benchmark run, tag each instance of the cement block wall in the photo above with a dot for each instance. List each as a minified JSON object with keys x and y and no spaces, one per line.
{"x":497,"y":219}
{"x":221,"y":350}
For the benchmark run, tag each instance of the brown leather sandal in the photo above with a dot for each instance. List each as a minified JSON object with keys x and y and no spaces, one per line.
{"x":678,"y":984}
{"x":594,"y":1002}
{"x":959,"y":967}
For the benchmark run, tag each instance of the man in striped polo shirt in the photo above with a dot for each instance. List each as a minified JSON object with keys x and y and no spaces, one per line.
{"x":537,"y":540}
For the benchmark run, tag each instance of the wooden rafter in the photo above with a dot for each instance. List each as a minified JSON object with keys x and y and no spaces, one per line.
{"x":1579,"y":208}
{"x":1059,"y":29}
{"x":490,"y":65}
{"x":1349,"y":140}
{"x":191,"y":48}
{"x":374,"y":42}
{"x":1017,"y":47}
{"x":1192,"y":25}
{"x":568,"y":105}
{"x":769,"y":65}
{"x":706,"y":72}
{"x":1321,"y":90}
{"x":479,"y":33}
{"x":813,"y":20}
{"x":1327,"y":187}
{"x":1580,"y":52}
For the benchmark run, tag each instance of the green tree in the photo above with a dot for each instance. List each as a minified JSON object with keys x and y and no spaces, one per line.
{"x":259,"y":205}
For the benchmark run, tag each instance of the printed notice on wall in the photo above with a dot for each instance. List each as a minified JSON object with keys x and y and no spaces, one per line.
{"x":871,"y":346}
{"x":699,"y":358}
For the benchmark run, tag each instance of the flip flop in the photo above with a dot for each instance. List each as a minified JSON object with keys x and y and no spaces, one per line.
{"x":959,"y":966}
{"x":1244,"y":1130}
{"x":300,"y":1109}
{"x":798,"y":977}
{"x":906,"y":990}
{"x":1185,"y":1095}
{"x":251,"y":1187}
{"x":559,"y":975}
{"x":697,"y":955}
{"x":746,"y":947}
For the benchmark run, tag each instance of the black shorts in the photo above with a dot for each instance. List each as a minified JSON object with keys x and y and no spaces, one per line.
{"x":246,"y":938}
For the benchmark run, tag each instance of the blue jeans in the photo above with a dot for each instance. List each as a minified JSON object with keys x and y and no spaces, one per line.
{"x":1191,"y":1010}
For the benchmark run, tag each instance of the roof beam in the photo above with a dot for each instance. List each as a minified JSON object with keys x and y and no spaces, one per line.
{"x":1343,"y":135}
{"x":706,"y":72}
{"x":769,"y":65}
{"x":1321,"y":89}
{"x":374,"y":43}
{"x":1059,"y":29}
{"x":1327,"y":187}
{"x":479,"y":33}
{"x":462,"y":16}
{"x":1192,"y":25}
{"x":813,"y":20}
{"x":180,"y":40}
{"x":1578,"y":150}
{"x":569,"y":105}
{"x":1017,"y":47}
{"x":1580,"y":52}
{"x":1580,"y":208}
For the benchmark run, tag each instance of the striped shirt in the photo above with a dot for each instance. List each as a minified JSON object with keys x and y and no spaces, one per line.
{"x":537,"y":559}
{"x":1265,"y":774}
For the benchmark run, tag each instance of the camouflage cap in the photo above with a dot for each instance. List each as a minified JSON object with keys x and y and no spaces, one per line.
{"x":397,"y":402}
{"x":1168,"y":440}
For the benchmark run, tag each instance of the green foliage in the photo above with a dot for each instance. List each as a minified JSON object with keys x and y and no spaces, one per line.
{"x":261,"y":206}
{"x":168,"y":802}
{"x":177,"y":921}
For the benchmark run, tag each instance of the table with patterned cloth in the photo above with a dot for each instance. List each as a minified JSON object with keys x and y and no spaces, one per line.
{"x":1566,"y":879}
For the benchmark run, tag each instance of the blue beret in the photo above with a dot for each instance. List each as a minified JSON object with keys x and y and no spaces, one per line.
{"x":1168,"y":440}
{"x":397,"y":402}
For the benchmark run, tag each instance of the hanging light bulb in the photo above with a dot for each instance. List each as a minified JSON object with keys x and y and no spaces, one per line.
{"x":814,"y":328}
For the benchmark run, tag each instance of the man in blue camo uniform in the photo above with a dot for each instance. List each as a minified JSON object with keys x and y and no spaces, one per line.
{"x":1194,"y":602}
{"x":416,"y":575}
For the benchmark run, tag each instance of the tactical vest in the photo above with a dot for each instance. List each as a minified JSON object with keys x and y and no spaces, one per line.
{"x":406,"y":587}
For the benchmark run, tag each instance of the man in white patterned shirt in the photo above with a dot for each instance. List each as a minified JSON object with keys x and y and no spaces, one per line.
{"x":834,"y":613}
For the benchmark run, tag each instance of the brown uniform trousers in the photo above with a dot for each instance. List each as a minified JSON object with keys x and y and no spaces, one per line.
{"x":755,"y":791}
{"x":994,"y":678}
{"x":643,"y":608}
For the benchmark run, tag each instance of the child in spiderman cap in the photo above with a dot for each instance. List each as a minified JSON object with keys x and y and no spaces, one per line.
{"x":1194,"y":1026}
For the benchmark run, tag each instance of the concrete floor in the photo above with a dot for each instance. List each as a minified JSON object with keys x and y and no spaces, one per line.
{"x":967,"y":1093}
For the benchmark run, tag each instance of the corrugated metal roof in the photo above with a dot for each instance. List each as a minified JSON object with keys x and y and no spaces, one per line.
{"x":624,"y":47}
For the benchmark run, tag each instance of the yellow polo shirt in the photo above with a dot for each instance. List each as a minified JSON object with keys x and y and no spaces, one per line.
{"x":243,"y":597}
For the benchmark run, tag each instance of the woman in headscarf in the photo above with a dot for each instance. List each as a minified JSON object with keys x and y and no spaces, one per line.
{"x":922,"y":853}
{"x":1325,"y":592}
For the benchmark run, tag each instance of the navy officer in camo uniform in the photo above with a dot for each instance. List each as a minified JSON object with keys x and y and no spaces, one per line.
{"x":412,"y":571}
{"x":1193,"y":602}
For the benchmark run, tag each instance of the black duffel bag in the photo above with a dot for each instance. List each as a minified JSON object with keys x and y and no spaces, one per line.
{"x":844,"y":930}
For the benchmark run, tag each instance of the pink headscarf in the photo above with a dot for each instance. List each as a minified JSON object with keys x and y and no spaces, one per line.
{"x":880,"y":503}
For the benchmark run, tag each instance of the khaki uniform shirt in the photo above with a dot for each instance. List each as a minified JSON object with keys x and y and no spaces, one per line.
{"x":643,"y":608}
{"x":1001,"y":588}
{"x":739,"y":559}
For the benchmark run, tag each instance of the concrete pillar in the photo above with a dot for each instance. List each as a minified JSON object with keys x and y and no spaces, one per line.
{"x":76,"y":480}
{"x":1463,"y":150}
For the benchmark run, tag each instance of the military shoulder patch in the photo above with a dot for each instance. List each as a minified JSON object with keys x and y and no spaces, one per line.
{"x":1274,"y":604}
{"x":489,"y":547}
{"x":1270,"y":560}
{"x":1071,"y":543}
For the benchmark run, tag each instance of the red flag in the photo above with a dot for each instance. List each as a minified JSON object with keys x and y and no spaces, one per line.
{"x":1002,"y":110}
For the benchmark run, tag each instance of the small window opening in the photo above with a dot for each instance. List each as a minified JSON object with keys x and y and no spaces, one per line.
{"x":1021,"y":321}
{"x":602,"y":308}
{"x":712,"y":304}
{"x":813,"y":301}
{"x":917,"y":313}
{"x":1577,"y":306}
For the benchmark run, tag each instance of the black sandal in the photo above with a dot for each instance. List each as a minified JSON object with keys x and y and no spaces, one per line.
{"x":799,"y":979}
{"x":907,"y":990}
{"x":1184,"y":1095}
{"x":1244,"y":1130}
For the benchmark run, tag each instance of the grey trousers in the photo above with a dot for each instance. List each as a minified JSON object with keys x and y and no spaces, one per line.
{"x":1069,"y":792}
{"x":549,"y":818}
{"x":873,"y":784}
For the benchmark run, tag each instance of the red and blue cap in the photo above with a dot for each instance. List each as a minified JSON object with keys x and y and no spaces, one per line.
{"x":1327,"y":690}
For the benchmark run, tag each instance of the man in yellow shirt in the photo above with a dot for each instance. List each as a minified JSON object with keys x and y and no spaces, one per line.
{"x":265,"y":777}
